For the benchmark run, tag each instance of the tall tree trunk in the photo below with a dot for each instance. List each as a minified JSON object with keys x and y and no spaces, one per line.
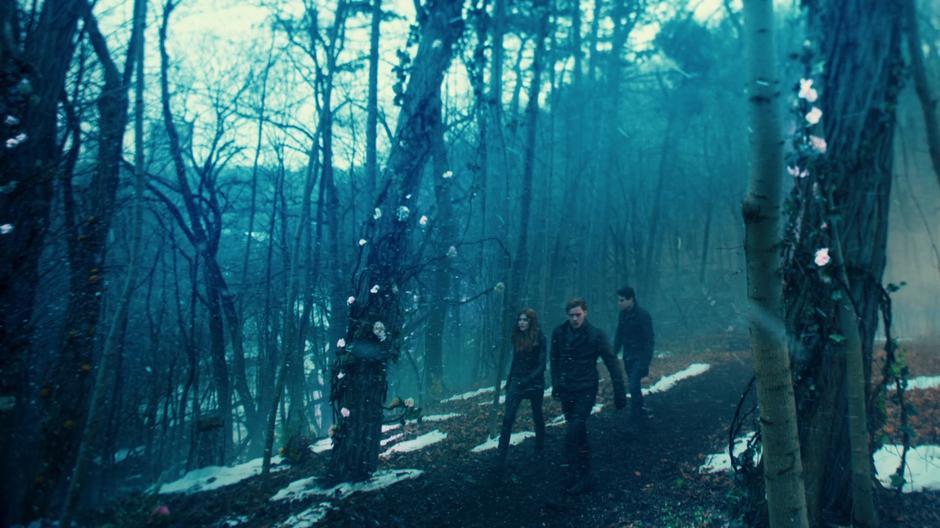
{"x":34,"y":71}
{"x":928,"y":102}
{"x":372,"y":109}
{"x":858,"y":89}
{"x":517,"y":279}
{"x":444,"y":232}
{"x":786,"y":499}
{"x":119,"y":323}
{"x":358,"y":395}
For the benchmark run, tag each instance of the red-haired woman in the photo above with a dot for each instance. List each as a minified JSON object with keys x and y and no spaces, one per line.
{"x":526,"y":380}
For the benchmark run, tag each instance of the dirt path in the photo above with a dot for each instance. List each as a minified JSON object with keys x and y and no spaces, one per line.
{"x":640,"y":477}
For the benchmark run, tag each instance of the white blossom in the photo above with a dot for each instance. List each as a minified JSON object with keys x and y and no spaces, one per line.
{"x":345,"y":412}
{"x":403,"y":213}
{"x":410,"y":402}
{"x":818,"y":143}
{"x":15,"y":141}
{"x":437,"y":44}
{"x":822,"y":257}
{"x":796,"y":172}
{"x":340,"y":375}
{"x":814,"y":115}
{"x":807,"y":91}
{"x":374,"y":290}
{"x":362,"y":242}
{"x":377,"y":214}
{"x":350,"y":300}
{"x":423,"y":221}
{"x":447,"y":175}
{"x":451,"y":252}
{"x":341,"y":343}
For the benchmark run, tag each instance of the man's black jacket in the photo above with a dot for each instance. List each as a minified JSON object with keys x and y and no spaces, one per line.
{"x":574,"y":360}
{"x":635,"y":335}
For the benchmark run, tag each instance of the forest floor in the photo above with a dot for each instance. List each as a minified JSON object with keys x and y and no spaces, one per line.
{"x":642,"y":478}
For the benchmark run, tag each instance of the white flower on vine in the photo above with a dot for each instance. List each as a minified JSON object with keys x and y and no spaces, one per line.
{"x":377,"y":214}
{"x":807,"y":91}
{"x":350,"y":300}
{"x":818,"y":143}
{"x":15,"y":141}
{"x":410,"y":402}
{"x":340,"y":375}
{"x":374,"y":290}
{"x":423,"y":221}
{"x":452,"y":252}
{"x":345,"y":412}
{"x":341,"y":343}
{"x":447,"y":175}
{"x":362,"y":242}
{"x":822,"y":257}
{"x":814,"y":115}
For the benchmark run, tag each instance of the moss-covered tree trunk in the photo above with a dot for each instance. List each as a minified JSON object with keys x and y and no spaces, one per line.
{"x":846,"y":187}
{"x":359,"y":375}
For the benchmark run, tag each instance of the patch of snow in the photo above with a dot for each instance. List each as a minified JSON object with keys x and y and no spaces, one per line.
{"x":502,"y":400}
{"x":415,"y":444}
{"x":493,"y":443}
{"x":303,"y":488}
{"x":556,"y":421}
{"x":235,"y":521}
{"x":386,"y":441}
{"x":436,"y":418}
{"x":923,"y":467}
{"x":307,"y":518}
{"x":923,"y":382}
{"x":667,"y":382}
{"x":390,"y":427}
{"x":322,"y":445}
{"x":468,"y":395}
{"x":214,"y":477}
{"x":471,"y":394}
{"x":719,"y":462}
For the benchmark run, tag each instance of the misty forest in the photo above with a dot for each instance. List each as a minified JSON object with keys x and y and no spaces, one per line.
{"x":634,"y":263}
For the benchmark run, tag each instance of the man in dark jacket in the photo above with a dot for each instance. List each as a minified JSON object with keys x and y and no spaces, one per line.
{"x":635,"y":336}
{"x":576,"y":345}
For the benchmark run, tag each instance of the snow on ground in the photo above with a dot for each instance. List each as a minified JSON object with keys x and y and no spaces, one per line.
{"x":923,"y":466}
{"x":719,"y":462}
{"x":923,"y":382}
{"x":471,"y":394}
{"x":415,"y":444}
{"x":436,"y":418}
{"x":386,"y":441}
{"x":390,"y":427}
{"x":231,"y":522}
{"x":307,"y":487}
{"x":307,"y":518}
{"x":213,"y":477}
{"x":322,"y":445}
{"x":502,"y":400}
{"x":468,"y":395}
{"x":667,"y":382}
{"x":493,"y":443}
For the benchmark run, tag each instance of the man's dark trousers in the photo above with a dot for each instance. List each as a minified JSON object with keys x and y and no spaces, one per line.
{"x":636,"y":371}
{"x":577,"y":408}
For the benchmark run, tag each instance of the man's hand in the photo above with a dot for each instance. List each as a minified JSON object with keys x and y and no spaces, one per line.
{"x":620,"y":401}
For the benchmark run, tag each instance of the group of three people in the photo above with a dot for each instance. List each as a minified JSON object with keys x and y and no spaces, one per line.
{"x":575,"y":347}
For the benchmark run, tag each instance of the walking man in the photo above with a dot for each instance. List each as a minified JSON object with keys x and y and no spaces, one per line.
{"x":635,"y":336}
{"x":576,"y":345}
